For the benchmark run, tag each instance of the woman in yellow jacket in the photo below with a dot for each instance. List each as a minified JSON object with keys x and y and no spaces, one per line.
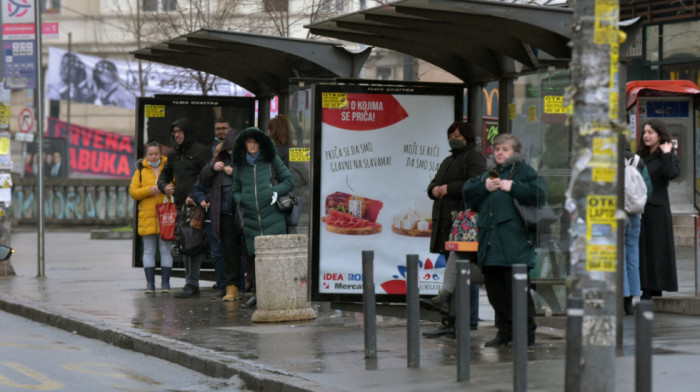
{"x":144,"y":190}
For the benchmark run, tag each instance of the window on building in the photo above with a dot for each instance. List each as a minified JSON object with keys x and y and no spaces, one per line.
{"x":50,"y":6}
{"x":383,"y":73}
{"x":333,"y":5}
{"x":276,"y":5}
{"x":651,"y":46}
{"x":680,"y":40}
{"x":159,"y":5}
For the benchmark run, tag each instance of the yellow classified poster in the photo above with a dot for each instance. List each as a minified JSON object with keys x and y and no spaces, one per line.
{"x":601,"y":247}
{"x":299,"y":155}
{"x":334,"y":100}
{"x":154,"y":110}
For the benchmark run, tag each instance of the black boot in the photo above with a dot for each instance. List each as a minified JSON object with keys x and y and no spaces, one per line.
{"x":441,"y":303}
{"x":188,"y":291}
{"x":165,"y":273}
{"x":446,"y":328}
{"x":499,"y":341}
{"x":629,"y":309}
{"x":250,"y":303}
{"x":150,"y":279}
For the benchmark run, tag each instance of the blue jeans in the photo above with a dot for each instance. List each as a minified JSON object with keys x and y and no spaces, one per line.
{"x":217,"y":253}
{"x":631,"y":283}
{"x":450,"y":280}
{"x":474,"y":304}
{"x":149,"y":251}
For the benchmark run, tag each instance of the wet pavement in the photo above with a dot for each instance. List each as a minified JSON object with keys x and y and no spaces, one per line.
{"x":91,"y":289}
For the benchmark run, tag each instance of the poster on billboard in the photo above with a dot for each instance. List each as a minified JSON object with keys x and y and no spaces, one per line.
{"x":110,"y":82}
{"x":94,"y":152}
{"x":53,"y":158}
{"x":377,"y":150}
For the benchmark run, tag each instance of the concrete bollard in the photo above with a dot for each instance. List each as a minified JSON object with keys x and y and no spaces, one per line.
{"x":281,"y":279}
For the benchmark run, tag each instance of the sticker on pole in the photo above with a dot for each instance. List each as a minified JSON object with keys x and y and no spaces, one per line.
{"x":26,"y":120}
{"x":601,"y":236}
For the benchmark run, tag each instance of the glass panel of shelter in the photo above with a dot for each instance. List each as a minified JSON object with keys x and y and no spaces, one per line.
{"x":540,"y":122}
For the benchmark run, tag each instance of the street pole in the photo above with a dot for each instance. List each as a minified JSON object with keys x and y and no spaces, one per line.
{"x":40,"y":143}
{"x":591,"y":198}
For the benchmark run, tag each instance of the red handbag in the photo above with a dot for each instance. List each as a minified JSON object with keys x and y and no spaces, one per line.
{"x":167,"y":212}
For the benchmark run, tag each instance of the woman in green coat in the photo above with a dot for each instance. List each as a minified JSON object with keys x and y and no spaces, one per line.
{"x":503,"y":238}
{"x":256,"y":162}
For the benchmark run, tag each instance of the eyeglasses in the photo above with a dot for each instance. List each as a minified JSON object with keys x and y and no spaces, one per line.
{"x":222,"y":128}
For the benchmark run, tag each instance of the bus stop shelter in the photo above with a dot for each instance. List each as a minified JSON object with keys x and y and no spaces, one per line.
{"x":477,"y":41}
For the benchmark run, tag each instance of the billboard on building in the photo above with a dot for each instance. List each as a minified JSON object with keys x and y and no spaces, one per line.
{"x":94,"y":152}
{"x":99,"y":81}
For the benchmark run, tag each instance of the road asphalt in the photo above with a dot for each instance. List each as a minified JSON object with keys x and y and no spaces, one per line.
{"x":91,"y":289}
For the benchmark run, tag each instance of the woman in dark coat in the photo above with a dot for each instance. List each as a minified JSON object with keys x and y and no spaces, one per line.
{"x":503,"y":239}
{"x":657,"y":252}
{"x":254,"y":155}
{"x":213,"y":191}
{"x":445,"y":190}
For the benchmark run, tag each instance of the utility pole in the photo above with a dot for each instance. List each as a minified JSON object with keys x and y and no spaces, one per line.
{"x":591,"y":198}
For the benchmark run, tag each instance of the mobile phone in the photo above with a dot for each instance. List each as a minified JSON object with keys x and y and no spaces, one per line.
{"x":493,"y":174}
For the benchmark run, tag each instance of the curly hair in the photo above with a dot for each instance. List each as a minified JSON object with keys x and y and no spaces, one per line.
{"x":278,"y":128}
{"x":660,"y":128}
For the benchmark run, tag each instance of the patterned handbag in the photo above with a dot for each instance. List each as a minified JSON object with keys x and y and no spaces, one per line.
{"x":464,"y":225}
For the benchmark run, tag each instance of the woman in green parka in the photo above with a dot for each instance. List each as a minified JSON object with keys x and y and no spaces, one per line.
{"x":254,"y":155}
{"x":503,"y":239}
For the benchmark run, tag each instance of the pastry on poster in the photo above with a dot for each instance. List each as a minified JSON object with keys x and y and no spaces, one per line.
{"x":411,"y":222}
{"x":352,"y":215}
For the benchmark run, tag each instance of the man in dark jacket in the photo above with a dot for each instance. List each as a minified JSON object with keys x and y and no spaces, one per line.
{"x":184,"y":164}
{"x":221,"y":129}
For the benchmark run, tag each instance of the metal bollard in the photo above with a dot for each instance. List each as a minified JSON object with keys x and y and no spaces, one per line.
{"x":574,"y":325}
{"x":412,"y":311}
{"x":519,"y":302}
{"x":369,"y":305}
{"x":642,"y":343}
{"x":463,"y":312}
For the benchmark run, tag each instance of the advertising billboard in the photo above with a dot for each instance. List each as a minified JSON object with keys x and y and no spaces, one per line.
{"x":376,"y":149}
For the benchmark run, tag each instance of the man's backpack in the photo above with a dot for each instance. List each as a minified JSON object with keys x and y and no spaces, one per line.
{"x":635,"y":188}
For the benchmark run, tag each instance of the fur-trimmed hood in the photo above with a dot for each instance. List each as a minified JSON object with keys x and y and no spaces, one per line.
{"x":267,"y":147}
{"x":515,"y":158}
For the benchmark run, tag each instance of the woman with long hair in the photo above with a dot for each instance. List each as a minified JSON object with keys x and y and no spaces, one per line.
{"x":657,"y":252}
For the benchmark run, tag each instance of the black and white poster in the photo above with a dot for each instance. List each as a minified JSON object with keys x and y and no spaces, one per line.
{"x":99,"y":81}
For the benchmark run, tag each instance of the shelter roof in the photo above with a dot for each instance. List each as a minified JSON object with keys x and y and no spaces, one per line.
{"x":475,"y":40}
{"x":262,"y":64}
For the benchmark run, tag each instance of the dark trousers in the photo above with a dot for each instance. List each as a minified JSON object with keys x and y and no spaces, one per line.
{"x":499,"y":289}
{"x":230,"y":237}
{"x":217,"y":253}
